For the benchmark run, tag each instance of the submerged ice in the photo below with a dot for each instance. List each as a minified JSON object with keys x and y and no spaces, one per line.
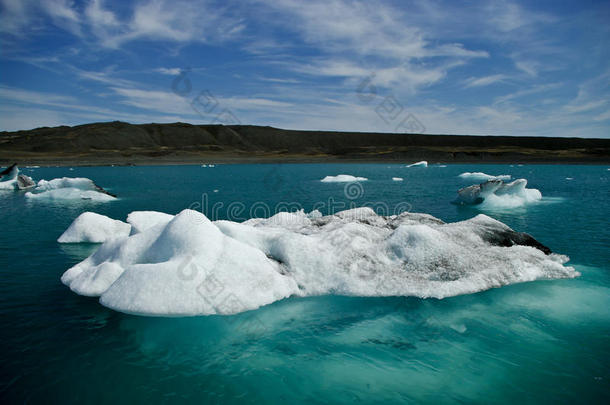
{"x":188,"y":265}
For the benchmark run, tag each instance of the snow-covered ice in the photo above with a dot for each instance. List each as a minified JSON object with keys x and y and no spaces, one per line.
{"x":496,"y":194}
{"x":480,"y":176}
{"x":423,"y":163}
{"x":94,"y":228}
{"x":68,"y":188}
{"x":188,"y":265}
{"x":342,"y":178}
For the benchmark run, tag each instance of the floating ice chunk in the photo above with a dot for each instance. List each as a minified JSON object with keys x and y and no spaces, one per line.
{"x":191,"y":266}
{"x":142,"y":220}
{"x":479,"y":176}
{"x":342,"y":178}
{"x":8,"y":185}
{"x":495,"y":194}
{"x":66,"y":188}
{"x":8,"y":178}
{"x":90,"y":227}
{"x":184,"y":267}
{"x":423,"y":163}
{"x":25,"y":182}
{"x":397,"y":179}
{"x":70,"y":194}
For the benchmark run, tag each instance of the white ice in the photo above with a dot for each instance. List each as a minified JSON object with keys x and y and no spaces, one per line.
{"x":397,"y":179}
{"x":94,"y":228}
{"x":191,"y":266}
{"x":495,"y":194}
{"x":66,"y":188}
{"x":342,"y":178}
{"x":9,"y":180}
{"x":480,"y":176}
{"x":423,"y":163}
{"x":142,"y":220}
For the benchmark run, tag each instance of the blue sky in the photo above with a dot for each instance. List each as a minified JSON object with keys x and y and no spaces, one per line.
{"x":494,"y":67}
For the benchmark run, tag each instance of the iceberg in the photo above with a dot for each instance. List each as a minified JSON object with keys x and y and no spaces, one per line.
{"x":497,"y":194}
{"x":342,"y":178}
{"x":90,"y":227}
{"x":188,"y":265}
{"x":480,"y":176}
{"x":8,"y":178}
{"x":67,"y":188}
{"x":11,"y":179}
{"x":397,"y":179}
{"x":423,"y":163}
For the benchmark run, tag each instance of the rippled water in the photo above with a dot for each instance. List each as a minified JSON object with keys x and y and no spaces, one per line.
{"x":534,"y":342}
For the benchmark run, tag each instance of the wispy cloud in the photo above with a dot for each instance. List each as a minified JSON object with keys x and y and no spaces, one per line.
{"x":484,"y":81}
{"x":168,"y":71}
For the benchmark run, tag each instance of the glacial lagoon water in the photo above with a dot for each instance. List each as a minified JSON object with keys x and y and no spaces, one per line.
{"x":531,"y":342}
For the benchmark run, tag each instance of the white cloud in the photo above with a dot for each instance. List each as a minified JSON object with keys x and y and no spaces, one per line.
{"x":175,"y":21}
{"x":484,"y":81}
{"x":531,"y":68}
{"x":591,"y":105}
{"x":168,"y":71}
{"x":603,"y":116}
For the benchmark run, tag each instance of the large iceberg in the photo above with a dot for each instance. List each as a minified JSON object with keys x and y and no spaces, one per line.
{"x":188,"y":265}
{"x":498,"y":194}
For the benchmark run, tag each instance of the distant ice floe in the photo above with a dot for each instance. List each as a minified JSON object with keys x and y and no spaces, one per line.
{"x":342,"y":178}
{"x":497,"y":194}
{"x":480,"y":176}
{"x":188,"y":265}
{"x":423,"y":163}
{"x":67,"y":188}
{"x":397,"y":179}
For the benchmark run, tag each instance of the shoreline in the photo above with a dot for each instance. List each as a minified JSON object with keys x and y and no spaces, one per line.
{"x":124,"y":144}
{"x":126,"y":162}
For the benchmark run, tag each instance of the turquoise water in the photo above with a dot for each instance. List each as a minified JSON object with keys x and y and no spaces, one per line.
{"x":544,"y":341}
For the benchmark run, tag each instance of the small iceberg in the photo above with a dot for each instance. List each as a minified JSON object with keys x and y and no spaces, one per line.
{"x":423,"y":163}
{"x":10,"y":179}
{"x":67,"y":188}
{"x":480,"y":176}
{"x":342,"y":178}
{"x":498,"y":194}
{"x":397,"y":179}
{"x":188,"y":265}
